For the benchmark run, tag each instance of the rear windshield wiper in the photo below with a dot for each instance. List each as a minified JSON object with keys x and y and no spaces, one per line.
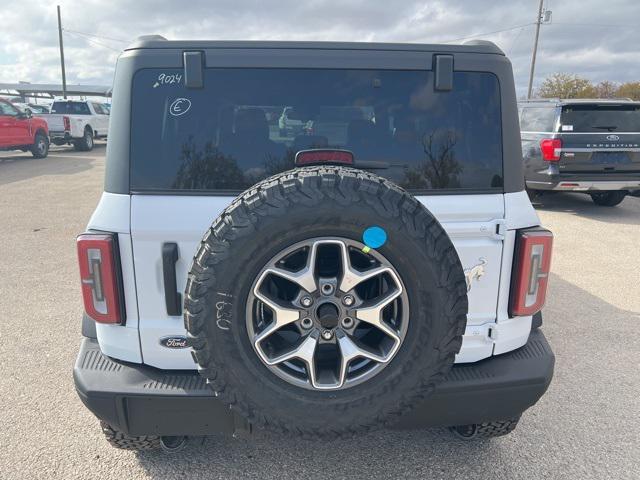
{"x":609,"y":128}
{"x":376,"y":165}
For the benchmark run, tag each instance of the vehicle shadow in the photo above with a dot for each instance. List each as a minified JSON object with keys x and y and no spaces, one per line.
{"x":61,"y":161}
{"x":628,"y":212}
{"x":556,"y":438}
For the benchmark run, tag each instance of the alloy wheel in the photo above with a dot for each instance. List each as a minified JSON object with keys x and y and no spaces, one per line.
{"x":325,"y":315}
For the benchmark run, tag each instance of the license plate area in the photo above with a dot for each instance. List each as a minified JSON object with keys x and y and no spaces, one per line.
{"x":610,"y":158}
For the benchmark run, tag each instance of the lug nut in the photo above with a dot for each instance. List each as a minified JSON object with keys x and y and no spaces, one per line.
{"x":306,"y":301}
{"x":306,"y":323}
{"x":327,"y":334}
{"x":347,"y":322}
{"x":348,"y":300}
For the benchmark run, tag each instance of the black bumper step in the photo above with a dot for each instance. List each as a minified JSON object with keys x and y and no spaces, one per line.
{"x":142,"y":400}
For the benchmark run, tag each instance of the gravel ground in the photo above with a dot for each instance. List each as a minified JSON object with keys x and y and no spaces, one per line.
{"x":586,"y":426}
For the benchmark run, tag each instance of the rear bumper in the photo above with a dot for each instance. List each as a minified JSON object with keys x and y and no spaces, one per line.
{"x":584,"y":182}
{"x":141,"y":400}
{"x":60,"y":136}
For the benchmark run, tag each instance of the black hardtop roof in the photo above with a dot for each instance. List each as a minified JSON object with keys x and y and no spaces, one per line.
{"x":159,"y":42}
{"x":558,"y":102}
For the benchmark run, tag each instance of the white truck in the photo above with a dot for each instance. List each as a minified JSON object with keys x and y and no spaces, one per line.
{"x":77,"y":123}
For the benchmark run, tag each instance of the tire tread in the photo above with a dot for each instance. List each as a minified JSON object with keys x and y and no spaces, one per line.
{"x":121,"y":440}
{"x":309,"y":185}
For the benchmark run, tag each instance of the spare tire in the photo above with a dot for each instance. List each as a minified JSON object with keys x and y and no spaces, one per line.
{"x":301,"y":327}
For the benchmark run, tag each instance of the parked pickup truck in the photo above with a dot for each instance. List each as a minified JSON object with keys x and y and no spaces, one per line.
{"x":20,"y":131}
{"x":77,"y":123}
{"x":588,"y":145}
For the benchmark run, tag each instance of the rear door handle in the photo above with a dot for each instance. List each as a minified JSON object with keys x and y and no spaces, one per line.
{"x":172,"y":298}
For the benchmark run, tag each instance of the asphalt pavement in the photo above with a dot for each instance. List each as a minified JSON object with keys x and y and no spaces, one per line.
{"x":587,"y":426}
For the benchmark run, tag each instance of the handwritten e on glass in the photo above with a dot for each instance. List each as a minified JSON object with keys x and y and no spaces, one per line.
{"x":179,"y":106}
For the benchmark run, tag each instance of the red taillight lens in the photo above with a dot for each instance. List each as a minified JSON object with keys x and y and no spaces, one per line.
{"x":67,"y":123}
{"x":319,"y":157}
{"x":530,"y":271}
{"x":551,"y":148}
{"x":100,"y":277}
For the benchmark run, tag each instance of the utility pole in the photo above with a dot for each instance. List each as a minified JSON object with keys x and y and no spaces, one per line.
{"x":535,"y":49}
{"x":64,"y":76}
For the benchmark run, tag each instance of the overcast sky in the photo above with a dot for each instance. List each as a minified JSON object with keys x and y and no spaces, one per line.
{"x":596,"y":39}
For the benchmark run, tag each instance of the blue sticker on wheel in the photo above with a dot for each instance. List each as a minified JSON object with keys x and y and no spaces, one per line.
{"x":374,"y":237}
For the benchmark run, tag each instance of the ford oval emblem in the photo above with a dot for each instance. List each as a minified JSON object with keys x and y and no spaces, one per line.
{"x":176,"y":341}
{"x":613,"y":138}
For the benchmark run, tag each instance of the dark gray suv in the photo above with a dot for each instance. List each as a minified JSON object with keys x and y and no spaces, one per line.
{"x":590,"y":146}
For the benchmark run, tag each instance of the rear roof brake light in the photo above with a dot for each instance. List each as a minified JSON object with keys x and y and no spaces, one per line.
{"x":324,"y":157}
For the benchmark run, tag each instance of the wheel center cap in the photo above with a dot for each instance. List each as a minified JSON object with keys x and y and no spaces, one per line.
{"x":328,"y":315}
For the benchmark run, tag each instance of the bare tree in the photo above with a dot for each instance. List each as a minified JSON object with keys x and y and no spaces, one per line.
{"x":607,"y":89}
{"x":440,"y":168}
{"x":207,"y":169}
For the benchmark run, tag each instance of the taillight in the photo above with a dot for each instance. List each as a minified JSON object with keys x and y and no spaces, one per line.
{"x":100,"y":276}
{"x":67,"y":123}
{"x":530,"y":272}
{"x":551,"y":148}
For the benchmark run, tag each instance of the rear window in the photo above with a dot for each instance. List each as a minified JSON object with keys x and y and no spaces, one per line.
{"x":600,"y":118}
{"x":248,"y":124}
{"x":70,"y":108}
{"x":538,"y":119}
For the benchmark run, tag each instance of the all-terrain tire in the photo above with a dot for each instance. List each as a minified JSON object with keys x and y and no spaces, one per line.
{"x":85,"y":144}
{"x":295,"y":206}
{"x":123,"y":441}
{"x":479,"y":431}
{"x":609,"y":199}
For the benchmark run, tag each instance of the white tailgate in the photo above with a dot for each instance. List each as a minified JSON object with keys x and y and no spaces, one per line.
{"x":102,"y":124}
{"x":54,"y":122}
{"x":475,"y":224}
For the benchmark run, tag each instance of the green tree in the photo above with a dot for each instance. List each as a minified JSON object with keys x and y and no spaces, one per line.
{"x":565,"y":85}
{"x":629,"y":90}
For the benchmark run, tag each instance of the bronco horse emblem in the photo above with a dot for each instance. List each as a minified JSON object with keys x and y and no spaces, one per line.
{"x":474,"y":272}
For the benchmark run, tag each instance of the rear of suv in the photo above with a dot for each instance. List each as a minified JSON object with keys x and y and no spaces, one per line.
{"x":586,"y":145}
{"x":382,"y":268}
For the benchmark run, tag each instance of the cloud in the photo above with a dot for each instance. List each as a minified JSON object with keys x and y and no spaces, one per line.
{"x":587,"y":37}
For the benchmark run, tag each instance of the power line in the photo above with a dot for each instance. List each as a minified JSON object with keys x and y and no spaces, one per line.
{"x":96,"y":36}
{"x":533,"y":23}
{"x":94,"y":42}
{"x":608,"y":25}
{"x":515,"y":40}
{"x":489,"y":33}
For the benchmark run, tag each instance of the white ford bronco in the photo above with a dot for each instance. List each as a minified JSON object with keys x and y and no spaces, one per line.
{"x":382,"y":268}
